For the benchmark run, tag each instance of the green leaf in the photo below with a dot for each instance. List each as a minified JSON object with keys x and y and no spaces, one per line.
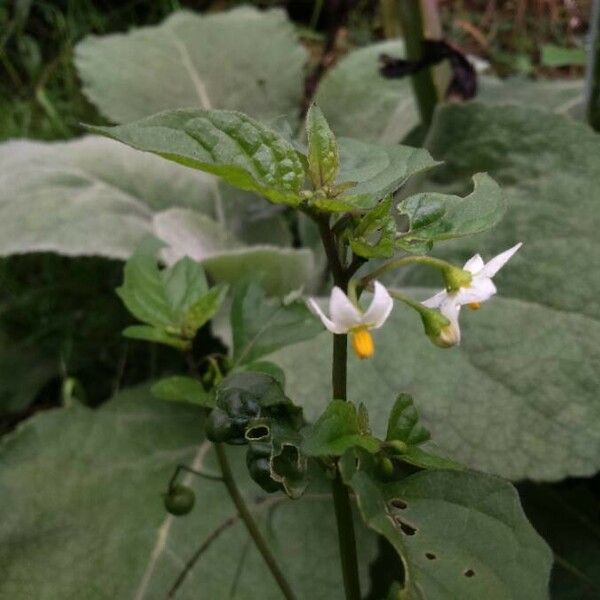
{"x":379,"y":170}
{"x":566,"y":514}
{"x":174,"y":302}
{"x":339,"y":428}
{"x":109,"y":507}
{"x":167,"y":299}
{"x":433,"y":216}
{"x":459,"y":534}
{"x":240,"y":150}
{"x":374,"y":236}
{"x":404,"y":423}
{"x":360,"y":103}
{"x":179,"y":388}
{"x":186,"y":53}
{"x":255,"y":387}
{"x":429,"y":458}
{"x":323,"y":156}
{"x":156,"y":335}
{"x":261,"y":325}
{"x":203,"y":310}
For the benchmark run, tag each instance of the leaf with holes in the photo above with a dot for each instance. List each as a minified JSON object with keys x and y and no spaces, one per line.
{"x":261,"y":325}
{"x":339,"y":428}
{"x":459,"y":534}
{"x":109,"y":511}
{"x":240,"y":150}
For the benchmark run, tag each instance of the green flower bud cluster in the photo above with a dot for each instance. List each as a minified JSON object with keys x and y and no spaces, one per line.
{"x":248,"y":405}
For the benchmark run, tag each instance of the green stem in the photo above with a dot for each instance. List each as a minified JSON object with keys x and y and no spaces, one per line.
{"x":391,"y":265}
{"x":341,"y":497}
{"x":250,"y":523}
{"x":409,"y":301}
{"x":411,"y":20}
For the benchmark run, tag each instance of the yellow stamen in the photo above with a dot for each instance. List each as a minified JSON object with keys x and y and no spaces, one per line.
{"x":362,"y":342}
{"x":474,"y":305}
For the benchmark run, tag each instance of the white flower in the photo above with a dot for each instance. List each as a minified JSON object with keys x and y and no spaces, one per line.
{"x":480,"y":289}
{"x":345,"y":317}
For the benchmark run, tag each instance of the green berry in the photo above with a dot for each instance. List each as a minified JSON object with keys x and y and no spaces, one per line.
{"x":179,"y":500}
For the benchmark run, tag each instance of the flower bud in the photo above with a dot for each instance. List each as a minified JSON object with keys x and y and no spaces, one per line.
{"x":440,"y":330}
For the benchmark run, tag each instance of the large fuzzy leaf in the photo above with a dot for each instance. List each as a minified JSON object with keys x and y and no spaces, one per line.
{"x":188,"y":233}
{"x":84,"y":514}
{"x":460,"y":534}
{"x":245,"y":59}
{"x":93,"y":196}
{"x":360,"y":103}
{"x":89,"y":196}
{"x":564,"y":96}
{"x":519,"y":396}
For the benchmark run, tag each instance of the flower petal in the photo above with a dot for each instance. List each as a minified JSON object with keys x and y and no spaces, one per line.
{"x":480,"y":290}
{"x":343,"y":313}
{"x":451,"y":310}
{"x":474,"y":264}
{"x":380,"y":308}
{"x":436,"y":300}
{"x":496,"y":263}
{"x":329,"y":324}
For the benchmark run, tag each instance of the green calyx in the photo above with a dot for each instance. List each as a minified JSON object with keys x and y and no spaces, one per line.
{"x":434,"y":322}
{"x":455,"y":278}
